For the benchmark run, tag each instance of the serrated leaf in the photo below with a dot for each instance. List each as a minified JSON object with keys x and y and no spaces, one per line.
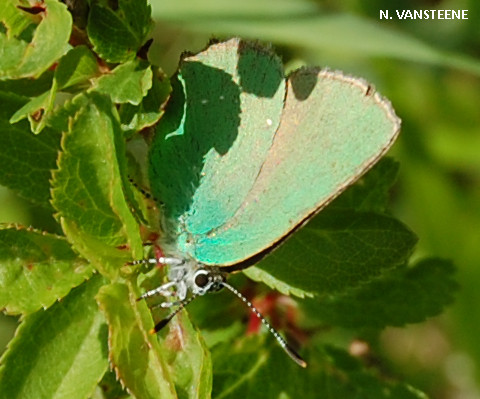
{"x":76,"y":67}
{"x":26,"y":160}
{"x":371,"y":192}
{"x":38,"y":103}
{"x":188,"y":358}
{"x":37,"y":110}
{"x":408,"y":295}
{"x":36,"y":269}
{"x":49,"y":42}
{"x":255,"y":369}
{"x":59,"y":119}
{"x":87,"y":188}
{"x":335,"y":251}
{"x":58,"y":353}
{"x":127,"y":83}
{"x":134,"y":352}
{"x":150,"y":110}
{"x":118,"y":35}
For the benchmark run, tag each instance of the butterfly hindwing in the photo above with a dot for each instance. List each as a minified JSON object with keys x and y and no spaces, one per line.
{"x":326,"y":140}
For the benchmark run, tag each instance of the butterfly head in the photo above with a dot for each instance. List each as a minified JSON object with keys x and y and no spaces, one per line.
{"x":206,"y":280}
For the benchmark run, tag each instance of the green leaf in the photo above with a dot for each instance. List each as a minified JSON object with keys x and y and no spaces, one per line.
{"x":14,"y":19}
{"x":26,"y":160}
{"x":118,"y":35}
{"x":49,"y":42}
{"x":371,"y":192}
{"x":36,"y":269}
{"x":60,"y":118}
{"x":87,"y":188}
{"x":408,"y":295}
{"x":220,"y":335}
{"x":350,"y":378}
{"x":335,"y":251}
{"x":37,"y":104}
{"x":246,"y":370}
{"x":37,"y":110}
{"x":111,"y":388}
{"x":254,"y":368}
{"x":188,"y":358}
{"x":127,"y":83}
{"x":28,"y":87}
{"x":134,"y":352}
{"x":151,"y":109}
{"x":218,"y":312}
{"x":76,"y":67}
{"x":182,"y":349}
{"x":58,"y":353}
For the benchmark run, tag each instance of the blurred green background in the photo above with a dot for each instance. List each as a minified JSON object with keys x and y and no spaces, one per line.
{"x":430,"y":70}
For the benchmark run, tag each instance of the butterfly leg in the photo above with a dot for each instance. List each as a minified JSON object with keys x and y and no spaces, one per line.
{"x":163,"y":290}
{"x":176,"y":287}
{"x":180,"y":293}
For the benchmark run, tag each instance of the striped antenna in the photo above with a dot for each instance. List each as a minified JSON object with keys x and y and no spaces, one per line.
{"x":283,"y":343}
{"x":145,"y":193}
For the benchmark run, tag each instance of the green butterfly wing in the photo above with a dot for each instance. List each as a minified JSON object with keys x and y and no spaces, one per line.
{"x":284,"y":162}
{"x":209,"y":147}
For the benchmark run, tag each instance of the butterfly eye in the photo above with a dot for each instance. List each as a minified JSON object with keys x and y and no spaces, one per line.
{"x":202,"y":279}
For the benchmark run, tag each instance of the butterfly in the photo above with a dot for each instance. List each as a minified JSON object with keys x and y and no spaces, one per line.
{"x":244,"y":157}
